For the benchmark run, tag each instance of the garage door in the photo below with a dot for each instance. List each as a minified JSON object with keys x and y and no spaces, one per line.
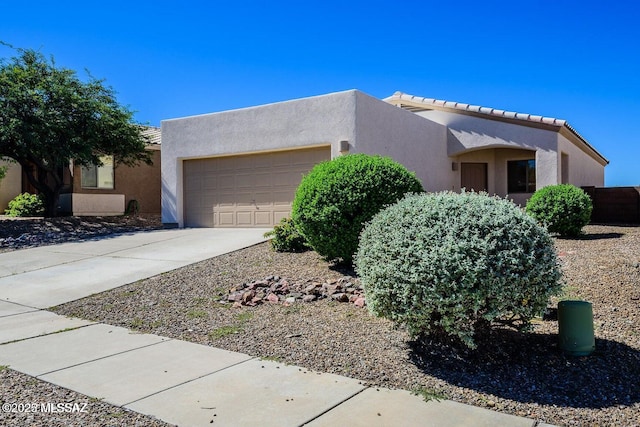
{"x":245,"y":191}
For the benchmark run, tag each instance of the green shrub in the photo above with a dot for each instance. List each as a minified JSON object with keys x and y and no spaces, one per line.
{"x":337,"y":197}
{"x":563,"y":209}
{"x":133,"y":207}
{"x":286,"y":238}
{"x":451,"y":264}
{"x":25,"y":204}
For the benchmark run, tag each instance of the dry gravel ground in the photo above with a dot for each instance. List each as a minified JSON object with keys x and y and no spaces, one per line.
{"x":80,"y":410}
{"x":525,"y":375}
{"x":22,"y":233}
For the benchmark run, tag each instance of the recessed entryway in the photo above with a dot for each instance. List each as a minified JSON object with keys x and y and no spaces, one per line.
{"x":473,"y":176}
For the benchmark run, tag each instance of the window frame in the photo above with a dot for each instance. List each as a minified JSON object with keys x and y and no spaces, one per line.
{"x":99,"y":171}
{"x":529,"y":168}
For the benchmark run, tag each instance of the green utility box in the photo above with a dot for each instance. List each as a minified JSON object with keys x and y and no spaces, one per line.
{"x":575,"y":327}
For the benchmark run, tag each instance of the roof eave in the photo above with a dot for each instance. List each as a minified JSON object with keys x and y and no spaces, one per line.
{"x":572,"y":135}
{"x":416,"y":104}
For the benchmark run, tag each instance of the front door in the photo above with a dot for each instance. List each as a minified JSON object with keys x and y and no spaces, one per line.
{"x":473,"y":176}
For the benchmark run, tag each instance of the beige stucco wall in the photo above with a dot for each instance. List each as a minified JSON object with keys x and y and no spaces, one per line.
{"x":368,"y":124}
{"x":416,"y":143}
{"x":583,"y":169}
{"x":94,"y":204}
{"x":11,"y":185}
{"x":427,"y":143}
{"x":141,"y":183}
{"x":309,"y":122}
{"x":472,"y":138}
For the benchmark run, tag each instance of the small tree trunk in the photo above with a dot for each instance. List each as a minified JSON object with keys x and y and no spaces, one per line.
{"x":51,"y":198}
{"x":46,"y":181}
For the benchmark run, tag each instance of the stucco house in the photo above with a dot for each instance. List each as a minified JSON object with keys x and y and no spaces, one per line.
{"x":99,"y":190}
{"x":11,"y":184}
{"x":240,"y":168}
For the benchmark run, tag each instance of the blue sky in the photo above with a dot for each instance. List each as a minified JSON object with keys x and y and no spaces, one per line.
{"x":575,"y":60}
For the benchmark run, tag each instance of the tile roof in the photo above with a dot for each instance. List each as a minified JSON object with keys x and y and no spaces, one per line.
{"x":415,"y":104}
{"x":154,"y":135}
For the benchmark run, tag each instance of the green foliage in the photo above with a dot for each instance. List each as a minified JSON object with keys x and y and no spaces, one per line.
{"x":428,"y":394}
{"x":450,"y":264}
{"x":25,"y":204}
{"x":48,"y":117}
{"x":563,"y":209}
{"x":4,"y":169}
{"x":286,"y":238}
{"x":338,"y":197}
{"x":133,"y":207}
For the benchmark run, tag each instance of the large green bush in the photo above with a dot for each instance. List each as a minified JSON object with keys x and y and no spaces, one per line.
{"x":338,"y":196}
{"x":563,"y":209}
{"x":286,"y":238}
{"x":452,"y":263}
{"x":25,"y":204}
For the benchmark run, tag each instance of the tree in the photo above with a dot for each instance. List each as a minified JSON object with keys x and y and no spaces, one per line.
{"x":49,"y":117}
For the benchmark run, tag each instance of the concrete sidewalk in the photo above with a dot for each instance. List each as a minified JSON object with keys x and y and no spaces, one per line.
{"x":177,"y":381}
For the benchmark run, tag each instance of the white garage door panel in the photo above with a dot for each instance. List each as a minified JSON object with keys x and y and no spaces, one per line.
{"x":263,"y":219}
{"x":224,"y":219}
{"x":243,"y":219}
{"x":245,"y":191}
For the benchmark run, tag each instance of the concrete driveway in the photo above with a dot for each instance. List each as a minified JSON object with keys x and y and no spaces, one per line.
{"x":50,"y":275}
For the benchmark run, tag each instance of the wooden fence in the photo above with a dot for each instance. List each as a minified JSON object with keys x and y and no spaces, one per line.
{"x":615,"y":205}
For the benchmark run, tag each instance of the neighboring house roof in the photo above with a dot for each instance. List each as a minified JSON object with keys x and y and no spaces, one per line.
{"x":154,"y":134}
{"x":416,"y":104}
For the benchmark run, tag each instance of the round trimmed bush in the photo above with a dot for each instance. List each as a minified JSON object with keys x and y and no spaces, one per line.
{"x":452,"y":263}
{"x":563,"y":209}
{"x":25,"y":204}
{"x":338,"y":196}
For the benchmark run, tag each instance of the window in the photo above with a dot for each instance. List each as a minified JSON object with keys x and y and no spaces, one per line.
{"x":98,"y":176}
{"x":521,"y":176}
{"x":564,"y":168}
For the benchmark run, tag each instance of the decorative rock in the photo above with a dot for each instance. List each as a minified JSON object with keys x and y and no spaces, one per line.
{"x":311,"y":289}
{"x":248,"y":296}
{"x":360,"y":302}
{"x":275,"y":289}
{"x":340,"y":297}
{"x":236,"y":296}
{"x":331,"y":289}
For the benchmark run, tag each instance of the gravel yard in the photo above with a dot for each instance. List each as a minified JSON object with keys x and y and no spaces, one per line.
{"x":17,"y":388}
{"x":519,"y":374}
{"x":22,"y":233}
